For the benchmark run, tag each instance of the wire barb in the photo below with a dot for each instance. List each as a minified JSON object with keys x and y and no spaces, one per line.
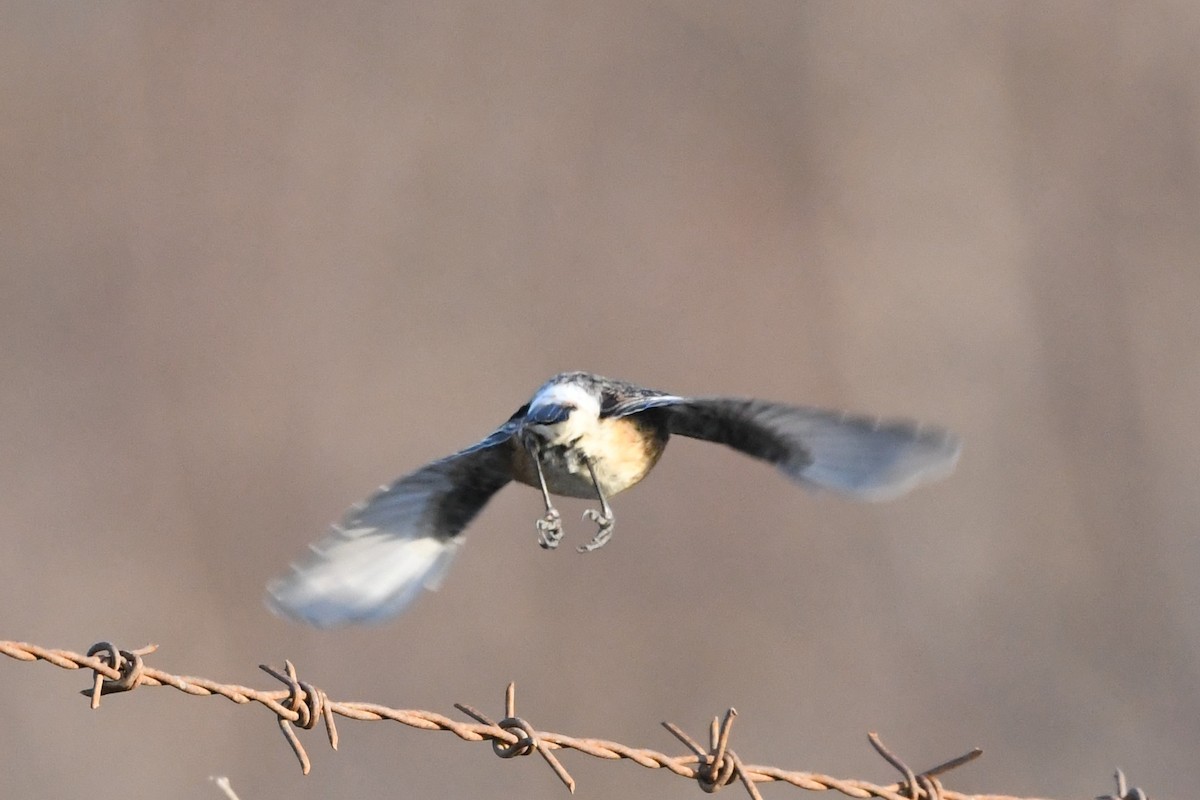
{"x":925,"y":784}
{"x":300,"y":703}
{"x":307,"y":703}
{"x":720,"y":764}
{"x":525,"y":738}
{"x":1123,"y":791}
{"x":126,"y":663}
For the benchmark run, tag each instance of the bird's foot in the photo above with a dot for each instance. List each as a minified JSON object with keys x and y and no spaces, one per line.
{"x":605,"y":521}
{"x":550,"y":530}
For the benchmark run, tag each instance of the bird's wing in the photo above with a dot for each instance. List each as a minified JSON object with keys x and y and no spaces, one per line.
{"x":863,"y":457}
{"x":375,"y":562}
{"x":620,"y":399}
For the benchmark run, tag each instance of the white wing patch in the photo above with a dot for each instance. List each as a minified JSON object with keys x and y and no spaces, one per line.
{"x":398,"y":542}
{"x":361,"y":576}
{"x":875,"y":463}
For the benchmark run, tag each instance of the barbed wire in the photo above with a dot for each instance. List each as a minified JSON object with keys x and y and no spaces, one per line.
{"x":303,"y":705}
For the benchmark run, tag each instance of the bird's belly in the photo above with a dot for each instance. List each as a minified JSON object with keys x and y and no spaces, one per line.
{"x":567,"y":474}
{"x":620,"y":460}
{"x":579,"y":484}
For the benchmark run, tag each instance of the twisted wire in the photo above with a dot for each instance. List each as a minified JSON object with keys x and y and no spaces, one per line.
{"x":303,"y":705}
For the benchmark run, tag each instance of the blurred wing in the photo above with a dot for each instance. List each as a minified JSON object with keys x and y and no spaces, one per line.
{"x":376,"y":561}
{"x":866,"y":458}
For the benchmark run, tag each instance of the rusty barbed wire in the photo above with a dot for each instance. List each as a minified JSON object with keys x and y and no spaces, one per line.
{"x":303,"y":705}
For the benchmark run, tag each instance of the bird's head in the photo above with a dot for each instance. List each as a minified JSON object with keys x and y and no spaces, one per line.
{"x":563,"y":410}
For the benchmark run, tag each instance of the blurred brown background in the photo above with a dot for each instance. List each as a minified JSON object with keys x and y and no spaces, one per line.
{"x":258,"y":260}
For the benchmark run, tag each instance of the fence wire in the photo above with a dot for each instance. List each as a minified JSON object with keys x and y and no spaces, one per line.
{"x":303,"y":705}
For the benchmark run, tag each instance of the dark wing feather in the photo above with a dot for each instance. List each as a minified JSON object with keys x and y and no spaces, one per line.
{"x":620,"y":399}
{"x":385,"y":550}
{"x":442,"y":497}
{"x":863,"y":457}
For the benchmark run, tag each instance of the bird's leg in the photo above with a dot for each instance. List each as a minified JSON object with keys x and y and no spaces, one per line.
{"x":604,"y":517}
{"x":549,"y":527}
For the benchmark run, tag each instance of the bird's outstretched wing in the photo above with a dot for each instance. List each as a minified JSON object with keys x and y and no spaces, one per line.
{"x":385,"y":550}
{"x":620,"y":399}
{"x":863,"y":457}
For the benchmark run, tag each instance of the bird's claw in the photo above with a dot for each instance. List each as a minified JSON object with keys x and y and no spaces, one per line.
{"x":550,"y":530}
{"x":605,"y":521}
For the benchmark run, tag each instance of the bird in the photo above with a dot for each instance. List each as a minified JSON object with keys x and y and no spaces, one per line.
{"x":582,"y":435}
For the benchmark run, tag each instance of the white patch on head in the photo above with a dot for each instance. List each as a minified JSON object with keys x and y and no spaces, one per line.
{"x":566,"y":394}
{"x":582,"y":420}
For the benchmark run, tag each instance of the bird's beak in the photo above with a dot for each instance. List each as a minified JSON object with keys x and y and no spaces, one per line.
{"x":549,"y":414}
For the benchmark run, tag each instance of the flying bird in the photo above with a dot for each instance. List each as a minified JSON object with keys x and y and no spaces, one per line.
{"x":584,"y":436}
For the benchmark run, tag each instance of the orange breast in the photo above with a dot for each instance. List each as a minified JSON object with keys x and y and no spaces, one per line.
{"x":625,"y":450}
